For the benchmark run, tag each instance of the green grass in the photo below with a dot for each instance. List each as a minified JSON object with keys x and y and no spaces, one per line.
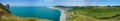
{"x":97,"y":11}
{"x":93,"y":13}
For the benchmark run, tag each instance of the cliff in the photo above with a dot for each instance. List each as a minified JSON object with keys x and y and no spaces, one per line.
{"x":4,"y":10}
{"x":5,"y":7}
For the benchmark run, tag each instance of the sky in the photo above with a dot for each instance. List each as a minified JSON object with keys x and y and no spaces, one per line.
{"x":59,"y":2}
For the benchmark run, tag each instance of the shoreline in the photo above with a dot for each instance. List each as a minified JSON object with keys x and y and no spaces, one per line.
{"x":63,"y":14}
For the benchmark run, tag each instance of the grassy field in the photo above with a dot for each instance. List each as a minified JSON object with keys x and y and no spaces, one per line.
{"x":102,"y":13}
{"x":14,"y":18}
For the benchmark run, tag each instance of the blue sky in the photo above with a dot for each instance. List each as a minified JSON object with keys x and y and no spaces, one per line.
{"x":59,"y":2}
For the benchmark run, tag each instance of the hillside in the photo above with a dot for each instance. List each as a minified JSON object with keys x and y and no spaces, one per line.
{"x":97,"y":13}
{"x":92,"y":13}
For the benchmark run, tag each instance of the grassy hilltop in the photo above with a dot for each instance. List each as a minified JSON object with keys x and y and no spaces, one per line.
{"x":93,"y":13}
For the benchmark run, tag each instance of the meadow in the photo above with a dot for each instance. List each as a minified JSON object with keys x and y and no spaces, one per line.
{"x":94,"y":13}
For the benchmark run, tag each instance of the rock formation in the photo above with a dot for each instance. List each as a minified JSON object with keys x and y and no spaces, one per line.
{"x":4,"y":10}
{"x":5,"y":7}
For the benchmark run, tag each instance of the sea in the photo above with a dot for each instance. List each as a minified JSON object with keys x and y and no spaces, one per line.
{"x":36,"y":12}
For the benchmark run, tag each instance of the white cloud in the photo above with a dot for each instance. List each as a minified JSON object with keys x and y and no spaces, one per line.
{"x":65,"y":2}
{"x":74,"y":2}
{"x":48,"y":0}
{"x":51,"y":2}
{"x":20,"y":4}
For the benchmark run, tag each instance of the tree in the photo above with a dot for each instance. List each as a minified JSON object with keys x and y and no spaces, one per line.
{"x":108,"y":6}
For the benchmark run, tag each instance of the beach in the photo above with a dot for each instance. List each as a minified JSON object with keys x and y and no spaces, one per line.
{"x":63,"y":15}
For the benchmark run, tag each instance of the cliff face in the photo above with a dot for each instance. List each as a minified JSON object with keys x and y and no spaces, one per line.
{"x":4,"y":10}
{"x":5,"y":7}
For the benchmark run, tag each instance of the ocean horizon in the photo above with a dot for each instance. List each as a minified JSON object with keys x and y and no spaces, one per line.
{"x":36,"y":12}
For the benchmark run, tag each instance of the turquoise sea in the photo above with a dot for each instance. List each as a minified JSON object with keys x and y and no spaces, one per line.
{"x":36,"y":11}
